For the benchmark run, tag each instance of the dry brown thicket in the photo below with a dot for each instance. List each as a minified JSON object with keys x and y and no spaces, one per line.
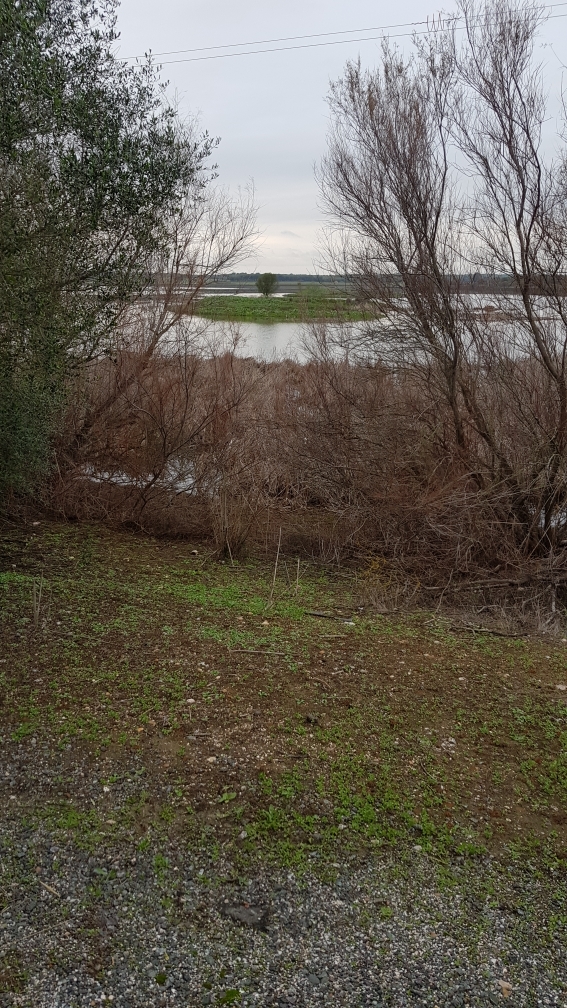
{"x":430,"y":443}
{"x":354,"y":461}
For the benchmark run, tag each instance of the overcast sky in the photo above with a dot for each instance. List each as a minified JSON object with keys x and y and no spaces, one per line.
{"x":269,"y":110}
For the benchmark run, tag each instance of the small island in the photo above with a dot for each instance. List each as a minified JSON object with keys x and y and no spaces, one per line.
{"x":307,"y":305}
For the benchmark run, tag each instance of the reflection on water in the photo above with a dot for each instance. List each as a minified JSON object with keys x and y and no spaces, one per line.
{"x":280,"y":339}
{"x":276,"y":340}
{"x":265,"y":342}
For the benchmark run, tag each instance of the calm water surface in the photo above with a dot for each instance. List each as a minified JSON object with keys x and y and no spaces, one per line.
{"x":277,"y":340}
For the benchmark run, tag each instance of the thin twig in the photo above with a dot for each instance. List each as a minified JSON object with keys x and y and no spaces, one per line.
{"x":37,"y":593}
{"x":229,"y":551}
{"x":324,"y":615}
{"x":320,"y":682}
{"x":49,"y":888}
{"x":276,"y":566}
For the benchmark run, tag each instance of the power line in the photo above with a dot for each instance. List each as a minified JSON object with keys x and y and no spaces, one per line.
{"x":289,"y":38}
{"x":317,"y":45}
{"x":443,"y":26}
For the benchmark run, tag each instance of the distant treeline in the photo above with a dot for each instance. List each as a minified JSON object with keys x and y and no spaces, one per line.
{"x":474,"y":283}
{"x":309,"y":278}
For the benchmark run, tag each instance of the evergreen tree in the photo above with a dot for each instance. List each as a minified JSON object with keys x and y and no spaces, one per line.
{"x":93,"y":162}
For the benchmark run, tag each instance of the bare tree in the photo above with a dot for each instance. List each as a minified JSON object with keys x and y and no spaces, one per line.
{"x":155,"y":337}
{"x":435,"y":170}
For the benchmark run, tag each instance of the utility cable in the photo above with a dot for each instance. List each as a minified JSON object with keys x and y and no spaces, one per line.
{"x":444,"y":25}
{"x":316,"y":45}
{"x":288,"y":38}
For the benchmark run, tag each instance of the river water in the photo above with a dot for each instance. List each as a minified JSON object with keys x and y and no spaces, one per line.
{"x":273,"y":341}
{"x":281,"y":340}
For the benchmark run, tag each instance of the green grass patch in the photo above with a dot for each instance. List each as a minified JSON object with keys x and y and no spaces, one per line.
{"x":303,"y":307}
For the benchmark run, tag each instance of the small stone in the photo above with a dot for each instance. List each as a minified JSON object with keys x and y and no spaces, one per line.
{"x":251,"y":916}
{"x":313,"y":979}
{"x":561,"y":686}
{"x":505,"y":987}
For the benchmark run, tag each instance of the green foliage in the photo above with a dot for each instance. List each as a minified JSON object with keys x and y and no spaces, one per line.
{"x":92,"y":166}
{"x":267,"y":283}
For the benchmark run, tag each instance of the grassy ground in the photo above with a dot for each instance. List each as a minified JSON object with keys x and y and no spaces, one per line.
{"x":265,"y":310}
{"x":278,"y":732}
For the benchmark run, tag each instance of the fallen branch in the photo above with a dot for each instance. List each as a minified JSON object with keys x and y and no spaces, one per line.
{"x":482,"y":629}
{"x":285,"y":654}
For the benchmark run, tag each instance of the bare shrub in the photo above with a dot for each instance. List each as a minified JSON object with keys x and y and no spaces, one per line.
{"x":141,"y":416}
{"x":483,"y":474}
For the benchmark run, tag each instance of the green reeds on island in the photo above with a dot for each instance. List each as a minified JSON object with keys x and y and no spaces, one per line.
{"x":290,"y":308}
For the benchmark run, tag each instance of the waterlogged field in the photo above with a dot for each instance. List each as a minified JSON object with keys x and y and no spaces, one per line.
{"x":291,"y":308}
{"x":283,"y":723}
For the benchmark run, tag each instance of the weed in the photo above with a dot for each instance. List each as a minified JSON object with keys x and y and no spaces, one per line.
{"x":13,"y":975}
{"x":229,"y":997}
{"x":226,"y":796}
{"x":161,"y":866}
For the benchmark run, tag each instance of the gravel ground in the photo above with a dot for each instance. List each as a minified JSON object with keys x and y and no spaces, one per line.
{"x":171,"y":925}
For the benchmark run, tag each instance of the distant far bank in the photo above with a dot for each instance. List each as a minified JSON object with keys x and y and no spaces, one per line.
{"x":471,"y":283}
{"x":288,"y":283}
{"x":289,"y":277}
{"x":483,"y":284}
